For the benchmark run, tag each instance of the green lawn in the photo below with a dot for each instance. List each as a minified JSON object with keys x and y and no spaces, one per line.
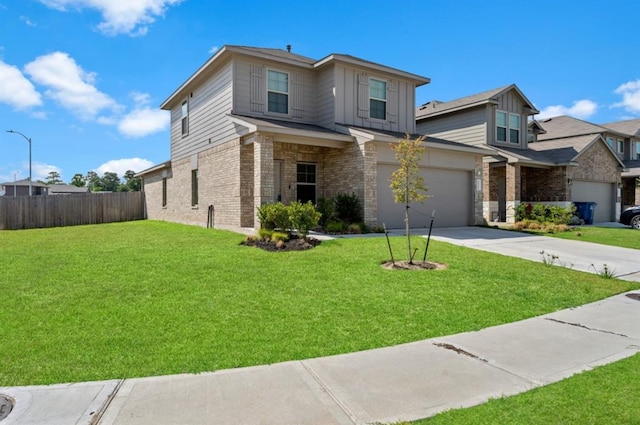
{"x":623,"y":237}
{"x":606,"y":395}
{"x":151,"y":298}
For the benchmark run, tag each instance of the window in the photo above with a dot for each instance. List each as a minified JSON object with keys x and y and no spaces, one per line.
{"x":620,"y":146}
{"x":306,"y":180}
{"x":610,"y":142}
{"x":638,"y":150}
{"x":278,"y":92}
{"x":514,"y":128}
{"x":164,"y":191}
{"x":377,"y":99}
{"x":184,"y":114}
{"x":194,"y":188}
{"x":510,"y":128}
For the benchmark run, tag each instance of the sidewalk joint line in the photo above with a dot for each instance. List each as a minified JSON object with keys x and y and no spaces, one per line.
{"x":578,"y":325}
{"x":325,"y":387}
{"x":97,"y":417}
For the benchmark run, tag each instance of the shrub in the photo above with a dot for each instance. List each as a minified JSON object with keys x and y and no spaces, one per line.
{"x":279,"y":236}
{"x":303,"y":217}
{"x":354,"y":228}
{"x":377,"y":229}
{"x":348,"y":208}
{"x":265,"y":234}
{"x":336,"y":227}
{"x":274,"y":216}
{"x":326,"y":207}
{"x":543,"y":213}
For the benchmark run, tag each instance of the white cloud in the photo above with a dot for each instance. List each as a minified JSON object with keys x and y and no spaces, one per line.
{"x":28,"y":21}
{"x":121,"y":166}
{"x":143,"y":120}
{"x":214,"y":49}
{"x":131,"y":17}
{"x":16,"y":90}
{"x":580,"y":109}
{"x":40,"y":171}
{"x":68,"y":84}
{"x":630,"y":92}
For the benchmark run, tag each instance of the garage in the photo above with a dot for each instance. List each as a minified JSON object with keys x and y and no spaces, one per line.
{"x":601,"y":193}
{"x":450,"y":194}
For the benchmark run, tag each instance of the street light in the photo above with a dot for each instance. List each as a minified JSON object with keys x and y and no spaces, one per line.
{"x":28,"y":140}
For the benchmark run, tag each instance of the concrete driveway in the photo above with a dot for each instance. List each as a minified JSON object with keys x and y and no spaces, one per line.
{"x":577,"y":255}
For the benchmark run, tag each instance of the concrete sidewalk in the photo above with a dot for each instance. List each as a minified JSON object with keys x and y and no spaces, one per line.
{"x":405,"y":382}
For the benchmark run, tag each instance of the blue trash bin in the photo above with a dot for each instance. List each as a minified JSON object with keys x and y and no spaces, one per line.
{"x":586,"y":211}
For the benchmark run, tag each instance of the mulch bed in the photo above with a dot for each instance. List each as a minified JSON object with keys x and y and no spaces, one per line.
{"x":293,"y":244}
{"x":416,"y":265}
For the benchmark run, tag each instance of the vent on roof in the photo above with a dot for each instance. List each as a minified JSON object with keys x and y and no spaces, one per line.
{"x":547,"y":120}
{"x":289,"y":48}
{"x":431,"y":103}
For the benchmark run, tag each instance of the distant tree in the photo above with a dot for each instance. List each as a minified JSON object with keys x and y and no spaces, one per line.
{"x":407,"y":184}
{"x":53,"y":178}
{"x":110,"y":182}
{"x":77,"y":180}
{"x":93,"y":181}
{"x":132,"y":183}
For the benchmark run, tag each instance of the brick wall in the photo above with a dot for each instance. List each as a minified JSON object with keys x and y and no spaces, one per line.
{"x":596,"y":164}
{"x":545,"y":184}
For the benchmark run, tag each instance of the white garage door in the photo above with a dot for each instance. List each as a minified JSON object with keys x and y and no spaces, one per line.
{"x":601,"y":193}
{"x":449,"y":194}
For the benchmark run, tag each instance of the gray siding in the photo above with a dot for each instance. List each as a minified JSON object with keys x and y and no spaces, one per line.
{"x":513,"y":103}
{"x":352,"y":100}
{"x":208,"y":124}
{"x":326,"y":104}
{"x":250,"y":90}
{"x":469,"y":126}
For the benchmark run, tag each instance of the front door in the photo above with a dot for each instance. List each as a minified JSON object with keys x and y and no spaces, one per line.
{"x":502,"y":198}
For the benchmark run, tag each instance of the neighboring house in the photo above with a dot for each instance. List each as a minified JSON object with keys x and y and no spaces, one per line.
{"x":628,"y":150}
{"x":522,"y":168}
{"x":66,"y":189}
{"x":255,"y":125}
{"x":21,"y":188}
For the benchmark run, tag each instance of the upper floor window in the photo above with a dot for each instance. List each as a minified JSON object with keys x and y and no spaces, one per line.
{"x":610,"y":142}
{"x":278,"y":92}
{"x":184,"y":115}
{"x":638,"y":150}
{"x":620,"y":146}
{"x":378,"y":99}
{"x":507,"y":127}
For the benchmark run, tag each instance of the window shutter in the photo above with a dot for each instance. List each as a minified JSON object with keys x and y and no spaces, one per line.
{"x":392,"y":101}
{"x":297,"y":96}
{"x":363,"y":95}
{"x":258,"y":90}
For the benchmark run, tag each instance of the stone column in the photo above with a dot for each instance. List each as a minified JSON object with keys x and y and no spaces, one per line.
{"x":263,"y":178}
{"x":370,"y":183}
{"x":513,"y":191}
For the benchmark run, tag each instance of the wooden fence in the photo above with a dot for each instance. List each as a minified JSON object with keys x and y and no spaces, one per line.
{"x":28,"y":212}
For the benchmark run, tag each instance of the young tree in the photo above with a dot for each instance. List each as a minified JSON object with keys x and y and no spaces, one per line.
{"x":110,"y":181}
{"x":54,"y":178}
{"x":407,"y":184}
{"x":94,"y":181}
{"x":132,"y":183}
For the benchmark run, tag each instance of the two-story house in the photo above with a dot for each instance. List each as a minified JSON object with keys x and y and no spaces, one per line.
{"x":627,"y":148}
{"x":525,"y":165}
{"x":256,"y":125}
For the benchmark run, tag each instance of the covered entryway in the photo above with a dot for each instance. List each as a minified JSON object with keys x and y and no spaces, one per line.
{"x":601,"y":193}
{"x":450,"y":194}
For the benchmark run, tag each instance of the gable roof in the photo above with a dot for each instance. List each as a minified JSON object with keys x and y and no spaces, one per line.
{"x":24,"y":182}
{"x":282,"y":56}
{"x":434,"y":108}
{"x":66,"y":188}
{"x":566,"y":126}
{"x":631,"y":127}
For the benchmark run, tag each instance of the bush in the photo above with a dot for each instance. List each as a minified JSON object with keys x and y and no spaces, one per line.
{"x":303,"y":217}
{"x":348,"y":208}
{"x":265,"y":234}
{"x":377,"y":229}
{"x":279,"y":236}
{"x":326,"y":207}
{"x":354,"y":228}
{"x":335,"y":227}
{"x":274,"y":216}
{"x":543,"y":213}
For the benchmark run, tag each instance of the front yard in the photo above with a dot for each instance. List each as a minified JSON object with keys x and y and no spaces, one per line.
{"x":624,"y":237}
{"x":151,"y":298}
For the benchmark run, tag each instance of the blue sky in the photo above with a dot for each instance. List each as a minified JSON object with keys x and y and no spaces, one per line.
{"x":84,"y":78}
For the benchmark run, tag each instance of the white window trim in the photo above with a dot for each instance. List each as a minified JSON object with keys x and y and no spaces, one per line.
{"x":183,"y":117}
{"x":288,"y":93}
{"x":508,"y":129}
{"x":386,"y":102}
{"x":620,"y":146}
